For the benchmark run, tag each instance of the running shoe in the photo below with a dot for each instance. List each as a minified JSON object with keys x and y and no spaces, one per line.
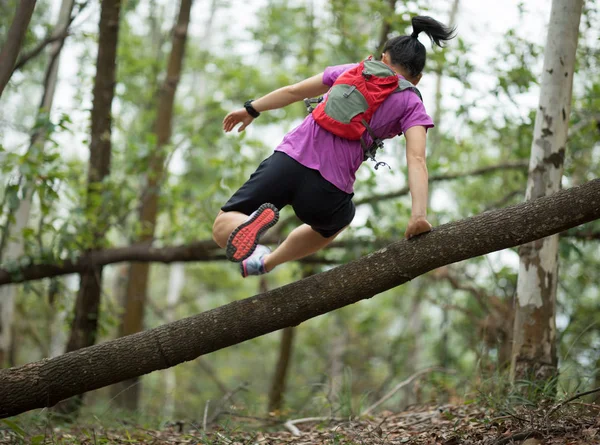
{"x":255,"y":263}
{"x":244,"y":239}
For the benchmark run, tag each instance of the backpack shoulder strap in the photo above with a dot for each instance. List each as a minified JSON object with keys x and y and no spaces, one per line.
{"x":376,"y":68}
{"x":404,"y":84}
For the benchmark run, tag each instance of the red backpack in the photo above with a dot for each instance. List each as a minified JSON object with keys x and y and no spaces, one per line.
{"x":354,"y":97}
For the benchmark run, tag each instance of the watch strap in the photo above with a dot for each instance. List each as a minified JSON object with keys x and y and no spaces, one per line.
{"x":250,"y":109}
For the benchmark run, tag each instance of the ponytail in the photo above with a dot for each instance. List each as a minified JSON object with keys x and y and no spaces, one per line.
{"x":408,"y":52}
{"x":436,"y":31}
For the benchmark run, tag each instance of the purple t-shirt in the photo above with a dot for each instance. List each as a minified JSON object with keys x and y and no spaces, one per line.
{"x":338,"y":159}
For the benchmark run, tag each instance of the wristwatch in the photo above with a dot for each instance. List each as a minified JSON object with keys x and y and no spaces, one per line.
{"x":250,"y":109}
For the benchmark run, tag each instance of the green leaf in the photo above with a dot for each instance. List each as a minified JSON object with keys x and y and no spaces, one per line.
{"x":35,"y":440}
{"x":12,"y":197}
{"x":15,"y":428}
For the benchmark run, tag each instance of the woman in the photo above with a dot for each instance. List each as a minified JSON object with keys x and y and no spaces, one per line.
{"x":313,"y":169}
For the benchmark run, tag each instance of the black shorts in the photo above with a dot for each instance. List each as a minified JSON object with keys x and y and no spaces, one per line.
{"x":281,"y":180}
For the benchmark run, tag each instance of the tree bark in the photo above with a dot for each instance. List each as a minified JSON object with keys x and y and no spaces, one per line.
{"x":137,"y":283}
{"x":46,"y":382}
{"x":85,"y":323}
{"x":16,"y":35}
{"x":534,"y":356}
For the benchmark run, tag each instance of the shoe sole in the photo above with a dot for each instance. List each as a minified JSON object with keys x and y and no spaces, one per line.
{"x":244,"y":239}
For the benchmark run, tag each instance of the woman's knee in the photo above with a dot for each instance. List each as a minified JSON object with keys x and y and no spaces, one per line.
{"x":217,"y":231}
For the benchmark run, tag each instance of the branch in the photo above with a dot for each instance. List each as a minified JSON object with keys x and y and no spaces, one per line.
{"x":581,"y":235}
{"x":45,"y":383}
{"x":290,"y":425}
{"x":57,"y":35}
{"x":478,"y":294}
{"x":513,"y":438}
{"x":584,"y":122}
{"x":399,"y":386}
{"x":517,"y":165}
{"x":28,"y":56}
{"x":570,"y":399}
{"x":143,"y":252}
{"x":14,"y":40}
{"x":199,"y":251}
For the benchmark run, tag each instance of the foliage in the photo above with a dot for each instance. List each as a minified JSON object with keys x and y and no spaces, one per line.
{"x":430,"y":321}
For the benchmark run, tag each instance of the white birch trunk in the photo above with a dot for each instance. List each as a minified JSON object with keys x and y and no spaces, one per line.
{"x":14,"y":247}
{"x":534,"y":348}
{"x":176,"y":283}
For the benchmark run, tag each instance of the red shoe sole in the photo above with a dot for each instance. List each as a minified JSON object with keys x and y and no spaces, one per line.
{"x":244,"y":239}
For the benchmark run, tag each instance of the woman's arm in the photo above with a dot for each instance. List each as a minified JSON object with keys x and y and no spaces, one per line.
{"x":417,"y":180}
{"x":311,"y":87}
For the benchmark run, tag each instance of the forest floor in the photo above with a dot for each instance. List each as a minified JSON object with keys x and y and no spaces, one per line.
{"x":574,"y":423}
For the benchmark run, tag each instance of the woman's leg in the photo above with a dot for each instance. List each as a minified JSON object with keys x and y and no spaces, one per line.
{"x":225,"y":223}
{"x":303,"y":241}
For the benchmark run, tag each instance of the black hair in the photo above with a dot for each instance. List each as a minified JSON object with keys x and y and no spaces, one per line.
{"x":408,"y":52}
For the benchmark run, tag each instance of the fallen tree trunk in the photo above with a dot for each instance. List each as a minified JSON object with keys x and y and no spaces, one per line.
{"x":44,"y":383}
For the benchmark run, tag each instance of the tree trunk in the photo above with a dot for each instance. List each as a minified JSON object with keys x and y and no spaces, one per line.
{"x":415,"y":329}
{"x":286,"y":348}
{"x":534,"y":355}
{"x":176,"y":283}
{"x":137,"y":283}
{"x":337,"y":349}
{"x":14,"y":249}
{"x":15,"y":239}
{"x":46,"y":382}
{"x":16,"y":35}
{"x":85,"y":323}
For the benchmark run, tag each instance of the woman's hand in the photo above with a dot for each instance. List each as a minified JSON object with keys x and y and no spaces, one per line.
{"x":236,"y":117}
{"x":416,"y":226}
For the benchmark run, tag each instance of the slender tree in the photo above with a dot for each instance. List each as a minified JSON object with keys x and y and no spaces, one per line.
{"x":12,"y":45}
{"x":137,"y":283}
{"x":15,"y":244}
{"x":176,"y":283}
{"x":46,"y":382}
{"x":284,"y":359}
{"x":85,"y":322}
{"x":534,"y":347}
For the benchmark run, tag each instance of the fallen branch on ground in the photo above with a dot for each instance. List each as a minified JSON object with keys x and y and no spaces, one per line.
{"x":399,"y":386}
